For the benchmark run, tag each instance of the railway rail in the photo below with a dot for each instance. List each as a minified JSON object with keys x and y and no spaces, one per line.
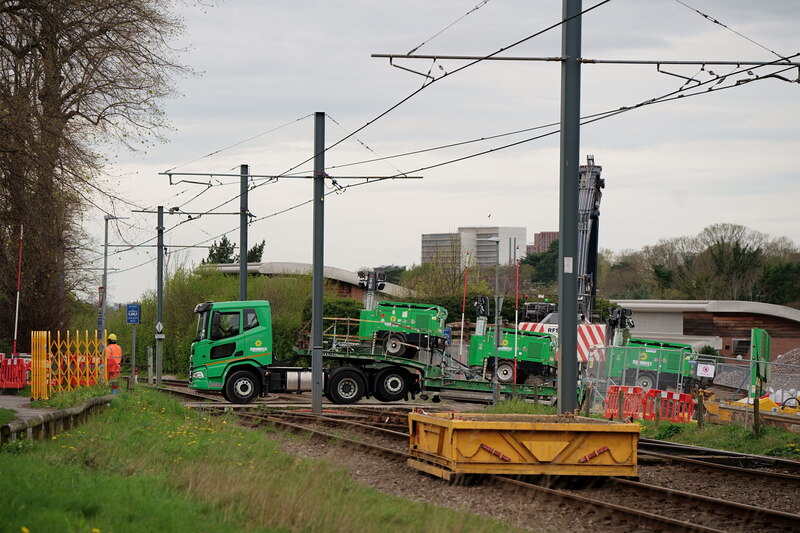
{"x":649,"y":506}
{"x":382,"y":430}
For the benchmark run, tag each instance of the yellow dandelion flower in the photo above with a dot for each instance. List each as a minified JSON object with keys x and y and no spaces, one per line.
{"x":95,"y":530}
{"x":24,"y":529}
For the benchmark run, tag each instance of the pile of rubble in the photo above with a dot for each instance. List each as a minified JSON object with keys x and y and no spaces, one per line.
{"x":732,"y":376}
{"x":792,"y":357}
{"x":784,"y":379}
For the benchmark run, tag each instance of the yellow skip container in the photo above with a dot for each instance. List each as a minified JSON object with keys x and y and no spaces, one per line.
{"x":447,"y":444}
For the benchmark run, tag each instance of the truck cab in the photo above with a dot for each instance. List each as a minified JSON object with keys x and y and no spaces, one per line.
{"x":231,"y":339}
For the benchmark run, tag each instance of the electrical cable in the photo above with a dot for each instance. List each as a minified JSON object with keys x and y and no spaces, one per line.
{"x":599,"y":116}
{"x":450,"y":73}
{"x":215,"y":152}
{"x":462,"y":17}
{"x":588,"y":119}
{"x":410,"y":96}
{"x":362,"y":143}
{"x":715,"y":21}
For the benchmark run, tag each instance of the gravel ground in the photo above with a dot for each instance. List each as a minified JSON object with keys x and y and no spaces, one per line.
{"x":518,"y":509}
{"x":724,"y":485}
{"x":522,"y":509}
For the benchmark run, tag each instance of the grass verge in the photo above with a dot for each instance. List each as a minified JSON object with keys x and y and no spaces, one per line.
{"x":775,"y":442}
{"x":520,"y":407}
{"x":147,"y":464}
{"x":67,"y":399}
{"x":6,"y":416}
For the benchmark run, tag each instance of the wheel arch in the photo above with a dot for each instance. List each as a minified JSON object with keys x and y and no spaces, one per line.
{"x":248,"y":367}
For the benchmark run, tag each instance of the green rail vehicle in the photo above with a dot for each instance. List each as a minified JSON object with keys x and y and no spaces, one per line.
{"x":536,"y":354}
{"x":403,"y":327}
{"x":233,"y":353}
{"x":652,"y":364}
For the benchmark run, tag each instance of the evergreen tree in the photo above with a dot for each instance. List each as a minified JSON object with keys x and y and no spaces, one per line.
{"x":221,"y":253}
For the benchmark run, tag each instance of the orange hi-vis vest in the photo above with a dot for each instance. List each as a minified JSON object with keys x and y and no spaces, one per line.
{"x":114,"y":359}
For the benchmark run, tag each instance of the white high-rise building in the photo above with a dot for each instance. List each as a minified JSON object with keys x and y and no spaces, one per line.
{"x":472,"y":240}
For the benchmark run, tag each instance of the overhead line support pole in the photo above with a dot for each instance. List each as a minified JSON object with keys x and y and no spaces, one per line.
{"x":245,"y":171}
{"x":568,"y":212}
{"x":317,"y":282}
{"x":160,"y":297}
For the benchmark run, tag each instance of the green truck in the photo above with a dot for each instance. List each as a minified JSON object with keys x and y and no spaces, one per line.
{"x":233,"y":353}
{"x":535,"y":354}
{"x":402,"y":328}
{"x":652,"y":364}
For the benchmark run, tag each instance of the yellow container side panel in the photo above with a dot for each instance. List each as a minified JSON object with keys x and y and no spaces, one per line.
{"x":507,"y":444}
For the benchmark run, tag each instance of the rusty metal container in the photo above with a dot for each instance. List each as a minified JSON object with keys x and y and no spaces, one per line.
{"x":448,"y":444}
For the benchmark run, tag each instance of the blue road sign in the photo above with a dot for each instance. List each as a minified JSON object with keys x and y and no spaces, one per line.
{"x":134,"y":313}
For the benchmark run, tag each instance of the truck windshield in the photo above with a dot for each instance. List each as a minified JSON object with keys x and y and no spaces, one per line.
{"x":202,"y":320}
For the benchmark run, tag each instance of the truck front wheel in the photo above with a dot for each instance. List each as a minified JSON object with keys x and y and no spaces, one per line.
{"x":346,"y":386}
{"x":242,"y":387}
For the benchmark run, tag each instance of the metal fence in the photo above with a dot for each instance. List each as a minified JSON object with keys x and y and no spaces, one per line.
{"x":65,"y":363}
{"x":681,"y":371}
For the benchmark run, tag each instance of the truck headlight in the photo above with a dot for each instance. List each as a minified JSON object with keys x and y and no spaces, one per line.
{"x":198,"y":375}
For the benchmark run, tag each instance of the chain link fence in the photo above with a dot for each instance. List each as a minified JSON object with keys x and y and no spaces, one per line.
{"x":677,"y":370}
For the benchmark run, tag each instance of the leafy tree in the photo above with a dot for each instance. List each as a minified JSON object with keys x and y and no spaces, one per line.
{"x":254,"y":254}
{"x":221,"y":253}
{"x":780,"y":283}
{"x":394,"y":274}
{"x":736,"y":253}
{"x":545,"y":264}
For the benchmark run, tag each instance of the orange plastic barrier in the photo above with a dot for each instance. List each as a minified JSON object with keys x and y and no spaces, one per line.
{"x":675,"y":406}
{"x":632,"y":401}
{"x":13,"y":372}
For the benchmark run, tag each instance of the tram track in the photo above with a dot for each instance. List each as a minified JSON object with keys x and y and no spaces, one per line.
{"x":650,"y":505}
{"x":382,"y":430}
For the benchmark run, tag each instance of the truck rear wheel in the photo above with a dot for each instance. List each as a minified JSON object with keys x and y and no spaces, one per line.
{"x":395,"y":345}
{"x":391,"y":385}
{"x":242,"y":387}
{"x":346,"y":386}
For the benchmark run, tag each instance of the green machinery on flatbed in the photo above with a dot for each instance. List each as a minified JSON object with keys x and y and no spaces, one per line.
{"x":535,"y":354}
{"x":402,"y":327}
{"x":232,"y":353}
{"x":659,"y":365}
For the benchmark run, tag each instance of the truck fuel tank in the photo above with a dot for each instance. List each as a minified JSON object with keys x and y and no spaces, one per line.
{"x":298,"y":381}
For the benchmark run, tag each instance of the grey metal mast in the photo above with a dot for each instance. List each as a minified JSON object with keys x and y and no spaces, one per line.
{"x":245,"y":171}
{"x":568,"y":215}
{"x":317,"y":281}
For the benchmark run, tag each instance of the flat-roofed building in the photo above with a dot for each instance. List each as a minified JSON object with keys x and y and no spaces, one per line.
{"x":472,"y":241}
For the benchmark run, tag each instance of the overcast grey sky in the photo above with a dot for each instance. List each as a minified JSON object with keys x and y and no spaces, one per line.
{"x":671,"y":169}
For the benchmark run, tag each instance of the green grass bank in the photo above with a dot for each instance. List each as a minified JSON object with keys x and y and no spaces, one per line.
{"x":148,"y":464}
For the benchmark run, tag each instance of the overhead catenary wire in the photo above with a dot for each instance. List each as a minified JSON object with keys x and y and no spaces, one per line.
{"x":407,"y":98}
{"x":715,"y":21}
{"x":680,"y":93}
{"x":459,"y":19}
{"x":238,"y":143}
{"x":718,"y":79}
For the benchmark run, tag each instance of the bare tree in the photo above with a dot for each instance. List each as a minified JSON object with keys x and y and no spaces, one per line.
{"x":75,"y":73}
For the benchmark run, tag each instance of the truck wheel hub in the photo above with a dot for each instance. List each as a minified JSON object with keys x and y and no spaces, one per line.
{"x":243,"y":387}
{"x":393,"y":383}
